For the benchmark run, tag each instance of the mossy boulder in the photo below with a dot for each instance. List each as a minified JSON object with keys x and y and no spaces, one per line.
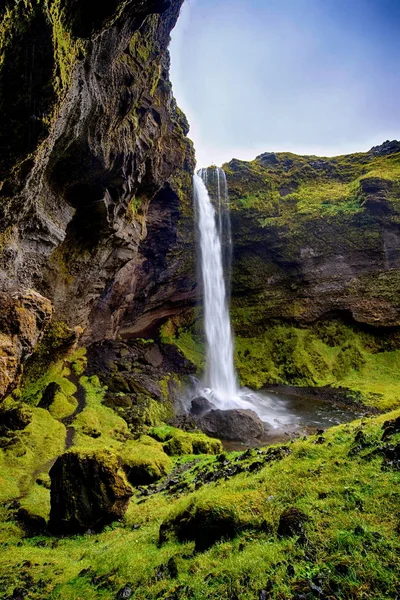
{"x":57,"y":402}
{"x":203,"y":522}
{"x":144,"y":464}
{"x":88,"y":491}
{"x":177,"y":442}
{"x":14,"y":417}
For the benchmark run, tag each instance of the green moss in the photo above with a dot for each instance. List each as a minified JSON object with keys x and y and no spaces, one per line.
{"x":66,"y":48}
{"x":352,"y":545}
{"x":57,"y":341}
{"x":186,"y":340}
{"x":28,"y":453}
{"x":326,"y":353}
{"x":62,"y":406}
{"x":179,"y":445}
{"x":144,"y":463}
{"x":111,"y":430}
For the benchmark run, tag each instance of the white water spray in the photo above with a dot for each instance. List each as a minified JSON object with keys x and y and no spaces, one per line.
{"x":220,"y":382}
{"x":220,"y":373}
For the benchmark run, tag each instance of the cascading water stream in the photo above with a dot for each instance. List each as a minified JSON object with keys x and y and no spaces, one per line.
{"x":220,"y":375}
{"x":220,"y":382}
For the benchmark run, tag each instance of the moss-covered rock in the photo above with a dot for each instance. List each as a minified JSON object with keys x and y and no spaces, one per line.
{"x":203,"y":523}
{"x":144,"y":463}
{"x":88,"y":491}
{"x":177,"y":442}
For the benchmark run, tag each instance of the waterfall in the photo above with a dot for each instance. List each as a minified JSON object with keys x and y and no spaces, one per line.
{"x":220,"y":375}
{"x":215,"y":243}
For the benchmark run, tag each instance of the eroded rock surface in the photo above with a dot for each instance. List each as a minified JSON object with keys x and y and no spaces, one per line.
{"x":88,"y":491}
{"x":95,"y":167}
{"x":23,"y":317}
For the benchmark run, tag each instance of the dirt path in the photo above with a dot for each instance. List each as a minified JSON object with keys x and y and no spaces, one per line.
{"x":80,"y":395}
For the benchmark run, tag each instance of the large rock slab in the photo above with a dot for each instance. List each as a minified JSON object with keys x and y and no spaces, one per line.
{"x":88,"y":491}
{"x":236,"y":424}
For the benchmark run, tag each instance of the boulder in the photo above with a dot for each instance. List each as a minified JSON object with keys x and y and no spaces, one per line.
{"x":200,"y":406}
{"x":14,"y":417}
{"x":291,"y":523}
{"x":236,"y":425}
{"x":153,"y":356}
{"x":143,"y":464}
{"x":204,"y":524}
{"x":88,"y":491}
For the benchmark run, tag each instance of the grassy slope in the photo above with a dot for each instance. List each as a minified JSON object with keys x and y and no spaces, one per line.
{"x":352,"y":548}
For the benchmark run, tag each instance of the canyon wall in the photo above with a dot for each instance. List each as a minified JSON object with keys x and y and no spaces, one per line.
{"x":95,"y":169}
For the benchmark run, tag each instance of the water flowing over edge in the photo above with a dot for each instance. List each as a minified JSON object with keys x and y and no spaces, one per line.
{"x":219,"y":384}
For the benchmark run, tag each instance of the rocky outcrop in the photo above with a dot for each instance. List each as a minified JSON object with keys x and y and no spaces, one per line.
{"x":95,"y":168}
{"x":316,"y":236}
{"x":23,"y":317}
{"x":87,"y":492}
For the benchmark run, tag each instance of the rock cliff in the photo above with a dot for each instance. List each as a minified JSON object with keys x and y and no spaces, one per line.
{"x":95,"y":166}
{"x":315,"y":236}
{"x":315,"y":272}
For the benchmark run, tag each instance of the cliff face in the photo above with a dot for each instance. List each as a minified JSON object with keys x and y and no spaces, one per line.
{"x":95,"y":168}
{"x":315,"y":236}
{"x":316,"y":271}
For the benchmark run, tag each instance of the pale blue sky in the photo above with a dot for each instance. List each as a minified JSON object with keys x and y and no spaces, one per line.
{"x":308,"y":76}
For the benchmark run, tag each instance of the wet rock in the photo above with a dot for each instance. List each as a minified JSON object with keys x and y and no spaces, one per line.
{"x":88,"y":491}
{"x":291,"y":523}
{"x":153,"y":356}
{"x":236,"y":424}
{"x":200,"y":406}
{"x":125,"y":593}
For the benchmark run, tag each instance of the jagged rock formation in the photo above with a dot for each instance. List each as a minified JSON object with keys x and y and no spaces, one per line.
{"x":95,"y":168}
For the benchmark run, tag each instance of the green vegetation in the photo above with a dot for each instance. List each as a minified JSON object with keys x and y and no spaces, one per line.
{"x":349,"y":546}
{"x":328,"y":353}
{"x":178,"y":443}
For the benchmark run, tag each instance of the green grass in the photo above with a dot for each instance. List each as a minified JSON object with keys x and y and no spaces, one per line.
{"x":352,"y":548}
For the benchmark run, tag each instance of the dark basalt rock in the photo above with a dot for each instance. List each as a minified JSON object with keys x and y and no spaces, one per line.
{"x":203,"y":525}
{"x":236,"y":424}
{"x":14,"y":419}
{"x":88,"y":491}
{"x":388,"y":147}
{"x":32,"y":524}
{"x":291,"y":523}
{"x":200,"y":406}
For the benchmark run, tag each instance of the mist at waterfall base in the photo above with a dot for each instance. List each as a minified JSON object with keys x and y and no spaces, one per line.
{"x":219,"y":384}
{"x":283,"y":413}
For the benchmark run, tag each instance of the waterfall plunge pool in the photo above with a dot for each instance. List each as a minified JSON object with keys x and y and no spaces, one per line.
{"x":302,"y":412}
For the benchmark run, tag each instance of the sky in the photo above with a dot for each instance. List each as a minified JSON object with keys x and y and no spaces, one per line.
{"x":306,"y":76}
